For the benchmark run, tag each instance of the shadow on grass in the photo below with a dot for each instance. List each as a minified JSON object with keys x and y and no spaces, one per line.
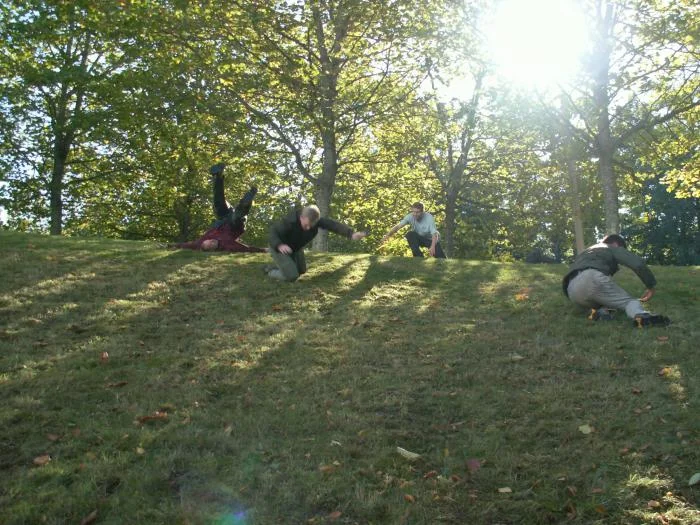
{"x":286,"y":402}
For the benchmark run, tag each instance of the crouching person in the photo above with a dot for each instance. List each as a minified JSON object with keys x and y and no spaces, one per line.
{"x":289,"y":236}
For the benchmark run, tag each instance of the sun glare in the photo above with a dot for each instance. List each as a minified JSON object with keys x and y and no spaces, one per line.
{"x":536,"y":43}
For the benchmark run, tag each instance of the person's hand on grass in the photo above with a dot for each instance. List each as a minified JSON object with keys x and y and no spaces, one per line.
{"x":648,"y":294}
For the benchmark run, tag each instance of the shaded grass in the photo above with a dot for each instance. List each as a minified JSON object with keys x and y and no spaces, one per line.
{"x":285,"y":402}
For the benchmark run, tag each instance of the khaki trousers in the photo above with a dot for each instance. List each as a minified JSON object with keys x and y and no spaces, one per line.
{"x":593,"y":289}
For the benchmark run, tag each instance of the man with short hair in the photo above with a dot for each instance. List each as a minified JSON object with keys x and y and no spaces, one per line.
{"x":289,"y":236}
{"x":589,"y":282}
{"x":226,"y":231}
{"x":423,"y":232}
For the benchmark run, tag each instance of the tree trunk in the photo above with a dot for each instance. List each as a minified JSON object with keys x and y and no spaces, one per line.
{"x":328,"y":94}
{"x":60,"y":154}
{"x":604,"y":142}
{"x":576,"y":205}
{"x":450,"y":222}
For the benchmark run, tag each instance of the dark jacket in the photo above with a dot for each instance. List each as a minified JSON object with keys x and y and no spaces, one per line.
{"x":606,"y":259}
{"x":289,"y":231}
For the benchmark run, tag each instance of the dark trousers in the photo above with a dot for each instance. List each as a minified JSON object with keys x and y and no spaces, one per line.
{"x":416,"y":241}
{"x":224,"y":211}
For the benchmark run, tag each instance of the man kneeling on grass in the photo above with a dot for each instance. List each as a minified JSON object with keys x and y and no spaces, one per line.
{"x":289,"y":236}
{"x":589,"y":282}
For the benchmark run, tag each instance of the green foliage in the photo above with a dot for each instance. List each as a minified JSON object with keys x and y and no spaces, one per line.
{"x":668,"y":228}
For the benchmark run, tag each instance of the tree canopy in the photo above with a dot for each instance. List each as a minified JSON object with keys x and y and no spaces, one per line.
{"x":111,"y":113}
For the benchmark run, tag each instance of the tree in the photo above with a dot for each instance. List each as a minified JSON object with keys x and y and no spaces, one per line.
{"x":63,"y":60}
{"x":322,"y":71}
{"x":641,"y":73}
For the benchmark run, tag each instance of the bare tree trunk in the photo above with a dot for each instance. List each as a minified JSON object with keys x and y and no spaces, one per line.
{"x":604,"y":142}
{"x":576,"y":205}
{"x":328,"y":91}
{"x":56,"y":186}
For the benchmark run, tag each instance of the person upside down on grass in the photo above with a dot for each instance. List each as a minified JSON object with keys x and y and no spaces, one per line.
{"x":289,"y":236}
{"x":589,"y":282}
{"x":230,"y":223}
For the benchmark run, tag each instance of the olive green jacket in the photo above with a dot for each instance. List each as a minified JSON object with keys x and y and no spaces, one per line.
{"x":606,"y":259}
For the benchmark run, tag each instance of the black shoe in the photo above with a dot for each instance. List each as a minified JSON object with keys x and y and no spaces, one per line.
{"x":217,"y":169}
{"x":642,"y":320}
{"x":601,"y":314}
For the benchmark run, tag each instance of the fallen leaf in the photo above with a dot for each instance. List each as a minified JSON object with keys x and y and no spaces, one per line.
{"x":585,"y":429}
{"x":335,"y":515}
{"x":653,"y":504}
{"x":42,"y":460}
{"x":600,"y":509}
{"x":694,"y":479}
{"x":276,"y":308}
{"x":597,"y":491}
{"x":455,"y":478}
{"x":104,"y":357}
{"x":505,"y":490}
{"x":431,"y":474}
{"x":156,"y":416}
{"x":636,"y":391}
{"x":662,"y":338}
{"x":516,"y":357}
{"x":411,"y":456}
{"x":409,"y":498}
{"x":117,"y":384}
{"x":665,"y":371}
{"x":473,"y":465}
{"x":90,"y":518}
{"x":571,"y":490}
{"x":53,"y":437}
{"x":624,"y":451}
{"x":521,"y":297}
{"x":140,"y":451}
{"x":326,"y":469}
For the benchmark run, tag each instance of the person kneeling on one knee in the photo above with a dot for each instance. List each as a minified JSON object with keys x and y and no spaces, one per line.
{"x":423,"y":232}
{"x":289,"y":236}
{"x":589,"y":282}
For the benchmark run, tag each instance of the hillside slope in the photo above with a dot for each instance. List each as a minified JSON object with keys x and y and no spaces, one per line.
{"x":143,"y":385}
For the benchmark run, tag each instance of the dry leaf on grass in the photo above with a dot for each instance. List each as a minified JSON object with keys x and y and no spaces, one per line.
{"x":335,"y":515}
{"x":410,"y":456}
{"x":505,"y":490}
{"x":156,"y":416}
{"x":473,"y":465}
{"x":694,"y":479}
{"x":90,"y":518}
{"x":585,"y":429}
{"x":42,"y":460}
{"x":409,"y":498}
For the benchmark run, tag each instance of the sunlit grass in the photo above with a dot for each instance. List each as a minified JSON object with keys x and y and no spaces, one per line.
{"x":285,"y":403}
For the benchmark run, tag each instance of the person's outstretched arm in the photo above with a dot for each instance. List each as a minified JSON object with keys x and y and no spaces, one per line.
{"x":392,"y":231}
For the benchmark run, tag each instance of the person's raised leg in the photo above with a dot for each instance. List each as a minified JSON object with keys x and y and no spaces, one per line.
{"x":221,"y":207}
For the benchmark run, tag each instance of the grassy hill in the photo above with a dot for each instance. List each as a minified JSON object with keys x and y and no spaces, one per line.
{"x":141,"y":385}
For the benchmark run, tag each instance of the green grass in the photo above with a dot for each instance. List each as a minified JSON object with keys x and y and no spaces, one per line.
{"x":286,"y":403}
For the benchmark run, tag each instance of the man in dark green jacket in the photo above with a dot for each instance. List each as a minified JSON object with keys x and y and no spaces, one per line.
{"x":589,"y":282}
{"x":289,"y":236}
